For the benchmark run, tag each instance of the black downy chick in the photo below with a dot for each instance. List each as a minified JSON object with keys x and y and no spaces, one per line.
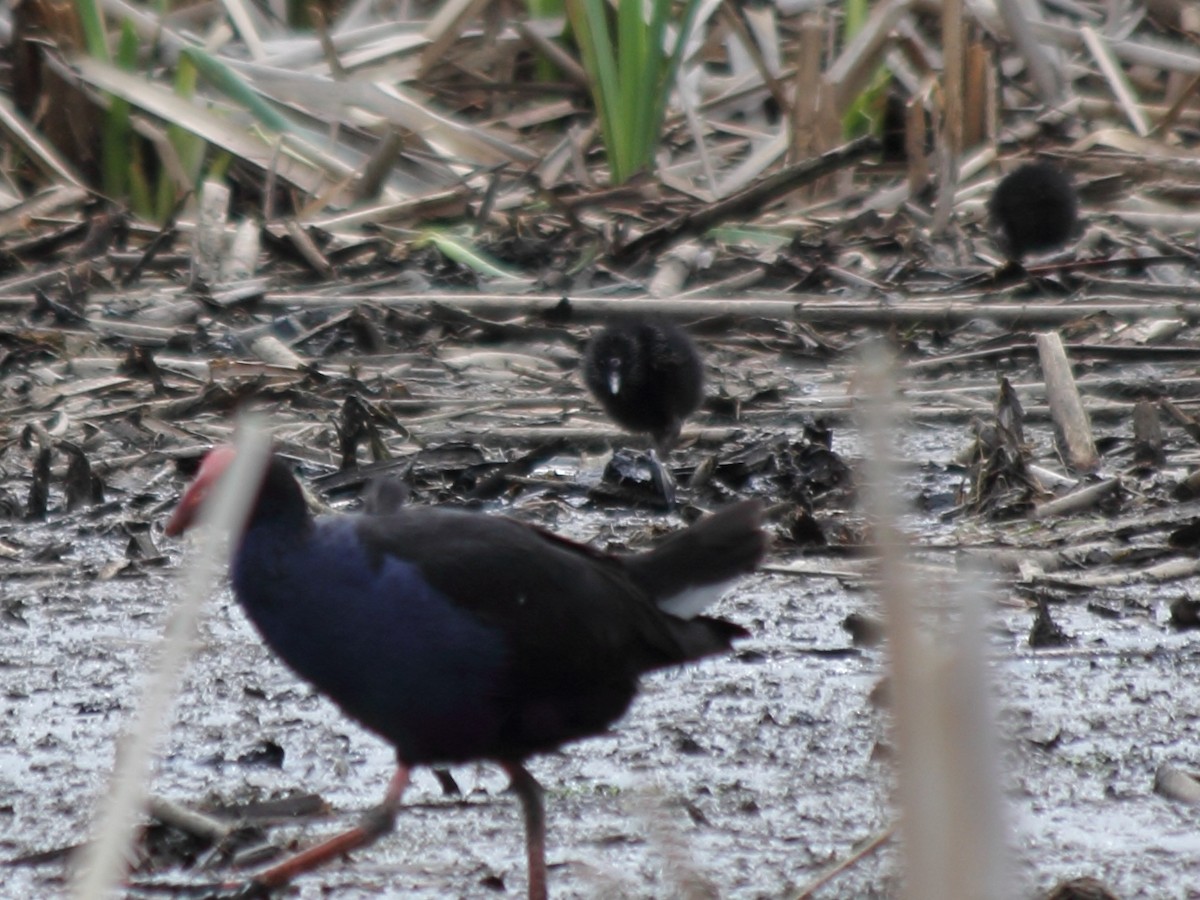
{"x":1034,"y":208}
{"x":647,"y":375}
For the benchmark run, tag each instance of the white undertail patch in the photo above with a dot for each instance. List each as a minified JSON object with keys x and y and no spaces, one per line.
{"x":689,"y":603}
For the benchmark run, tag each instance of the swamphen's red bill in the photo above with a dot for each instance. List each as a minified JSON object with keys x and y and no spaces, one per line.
{"x":459,"y":636}
{"x":215,"y":462}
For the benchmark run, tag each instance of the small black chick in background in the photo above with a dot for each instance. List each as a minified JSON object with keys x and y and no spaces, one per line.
{"x":1035,"y":209}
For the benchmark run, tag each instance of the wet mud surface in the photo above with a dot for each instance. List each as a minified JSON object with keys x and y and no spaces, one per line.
{"x":739,"y":777}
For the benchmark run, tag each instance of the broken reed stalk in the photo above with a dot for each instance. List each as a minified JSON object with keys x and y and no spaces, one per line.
{"x":104,"y":858}
{"x":210,"y":830}
{"x":1077,"y":501}
{"x":1151,"y":577}
{"x":1073,"y":430}
{"x":816,"y":309}
{"x":868,"y":847}
{"x":1026,"y":29}
{"x":749,"y":202}
{"x":208,"y":238}
{"x":1176,"y":784}
{"x":953,"y":50}
{"x":1148,"y":441}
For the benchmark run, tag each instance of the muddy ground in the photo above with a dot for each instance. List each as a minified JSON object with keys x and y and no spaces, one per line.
{"x":740,"y":777}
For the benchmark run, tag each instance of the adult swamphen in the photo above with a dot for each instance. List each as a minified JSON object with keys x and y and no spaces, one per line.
{"x":460,"y":636}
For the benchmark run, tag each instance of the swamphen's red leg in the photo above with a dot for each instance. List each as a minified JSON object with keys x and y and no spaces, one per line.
{"x":375,"y":824}
{"x":530,"y":794}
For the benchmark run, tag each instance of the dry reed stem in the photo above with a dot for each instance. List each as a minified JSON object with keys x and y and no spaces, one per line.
{"x":104,"y":858}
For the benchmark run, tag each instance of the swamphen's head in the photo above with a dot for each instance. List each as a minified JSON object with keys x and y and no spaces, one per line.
{"x":279,"y":495}
{"x":212,"y":467}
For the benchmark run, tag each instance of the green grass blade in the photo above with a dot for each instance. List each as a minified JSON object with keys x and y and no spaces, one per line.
{"x":590,"y":25}
{"x":674,"y":61}
{"x":633,"y":88}
{"x":544,"y":69}
{"x":95,"y":38}
{"x":116,"y":152}
{"x":654,"y":88}
{"x":231,"y":84}
{"x":141,"y":200}
{"x":465,"y":253}
{"x":220,"y":166}
{"x":631,"y":80}
{"x":855,"y":14}
{"x":189,"y":148}
{"x":607,"y":70}
{"x":862,"y":115}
